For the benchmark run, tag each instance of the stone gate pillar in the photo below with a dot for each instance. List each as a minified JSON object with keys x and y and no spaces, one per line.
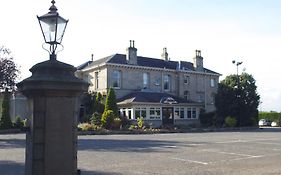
{"x":51,"y":142}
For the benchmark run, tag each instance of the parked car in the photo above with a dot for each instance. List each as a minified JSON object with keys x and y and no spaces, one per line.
{"x":274,"y":124}
{"x":264,"y":122}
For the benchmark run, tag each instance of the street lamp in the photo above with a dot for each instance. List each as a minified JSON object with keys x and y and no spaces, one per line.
{"x":238,"y":63}
{"x":53,"y":27}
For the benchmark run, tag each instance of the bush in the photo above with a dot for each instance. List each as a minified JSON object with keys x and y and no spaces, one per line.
{"x":88,"y":127}
{"x":272,"y":116}
{"x":110,"y":102}
{"x":95,"y":119}
{"x":116,"y":123}
{"x":5,"y":120}
{"x":230,"y":121}
{"x":107,"y":119}
{"x":125,"y":122}
{"x":19,"y":123}
{"x":140,"y":122}
{"x":207,"y":119}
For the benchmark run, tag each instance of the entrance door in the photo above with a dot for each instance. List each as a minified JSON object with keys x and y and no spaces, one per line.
{"x":168,"y":115}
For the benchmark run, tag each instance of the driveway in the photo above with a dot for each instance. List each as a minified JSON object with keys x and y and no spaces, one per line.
{"x":227,"y":153}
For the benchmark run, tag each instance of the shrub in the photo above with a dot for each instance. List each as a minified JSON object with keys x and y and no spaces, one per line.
{"x":230,"y":121}
{"x":140,"y":122}
{"x":95,"y":119}
{"x":5,"y":120}
{"x":125,"y":121}
{"x":88,"y":127}
{"x":110,"y":102}
{"x":107,"y":119}
{"x":117,"y":123}
{"x":85,"y":127}
{"x":207,"y":119}
{"x":132,"y":127}
{"x":19,"y":123}
{"x":272,"y":116}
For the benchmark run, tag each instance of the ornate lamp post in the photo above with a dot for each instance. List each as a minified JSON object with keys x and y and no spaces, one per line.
{"x":53,"y":27}
{"x":53,"y":96}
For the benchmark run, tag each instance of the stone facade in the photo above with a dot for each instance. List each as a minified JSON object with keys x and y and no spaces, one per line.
{"x":130,"y":73}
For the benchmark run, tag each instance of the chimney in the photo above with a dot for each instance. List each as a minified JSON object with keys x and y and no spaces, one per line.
{"x":131,"y":55}
{"x":92,"y":57}
{"x":165,"y":55}
{"x":198,"y":61}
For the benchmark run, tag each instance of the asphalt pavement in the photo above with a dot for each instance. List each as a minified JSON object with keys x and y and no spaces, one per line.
{"x":213,"y":153}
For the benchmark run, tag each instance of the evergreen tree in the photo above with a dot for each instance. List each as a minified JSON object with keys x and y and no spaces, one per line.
{"x":110,"y":102}
{"x":5,"y":120}
{"x":99,"y":107}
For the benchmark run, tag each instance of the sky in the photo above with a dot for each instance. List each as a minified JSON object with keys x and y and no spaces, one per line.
{"x":224,"y":30}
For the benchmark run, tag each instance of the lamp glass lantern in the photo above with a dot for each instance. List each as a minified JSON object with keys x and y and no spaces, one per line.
{"x":53,"y":27}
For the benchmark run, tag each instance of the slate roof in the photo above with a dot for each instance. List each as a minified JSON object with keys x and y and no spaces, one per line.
{"x":149,"y":97}
{"x":146,"y":62}
{"x":82,"y":66}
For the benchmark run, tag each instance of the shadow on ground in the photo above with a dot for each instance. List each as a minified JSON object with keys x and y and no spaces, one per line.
{"x":12,"y":143}
{"x":11,"y":168}
{"x":129,"y":145}
{"x":84,"y":172}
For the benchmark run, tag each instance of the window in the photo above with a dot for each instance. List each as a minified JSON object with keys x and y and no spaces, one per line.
{"x":167,"y":82}
{"x":186,"y":95}
{"x":96,"y":80}
{"x":201,"y":97}
{"x":213,"y":82}
{"x":186,"y":79}
{"x":179,"y":112}
{"x":137,"y":113}
{"x":213,"y":98}
{"x":140,"y":112}
{"x":145,"y":80}
{"x":143,"y":112}
{"x":129,"y":113}
{"x":194,"y":113}
{"x":124,"y":112}
{"x":189,"y":113}
{"x":154,"y":113}
{"x":116,"y":79}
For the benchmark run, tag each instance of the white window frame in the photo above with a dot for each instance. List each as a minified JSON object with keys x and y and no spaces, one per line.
{"x":141,"y":110}
{"x":154,"y":116}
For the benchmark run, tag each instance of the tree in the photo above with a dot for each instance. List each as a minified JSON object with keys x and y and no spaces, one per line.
{"x":5,"y":120}
{"x":238,"y":99}
{"x":98,"y":105}
{"x":107,"y":119}
{"x":8,"y":70}
{"x":110,"y":102}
